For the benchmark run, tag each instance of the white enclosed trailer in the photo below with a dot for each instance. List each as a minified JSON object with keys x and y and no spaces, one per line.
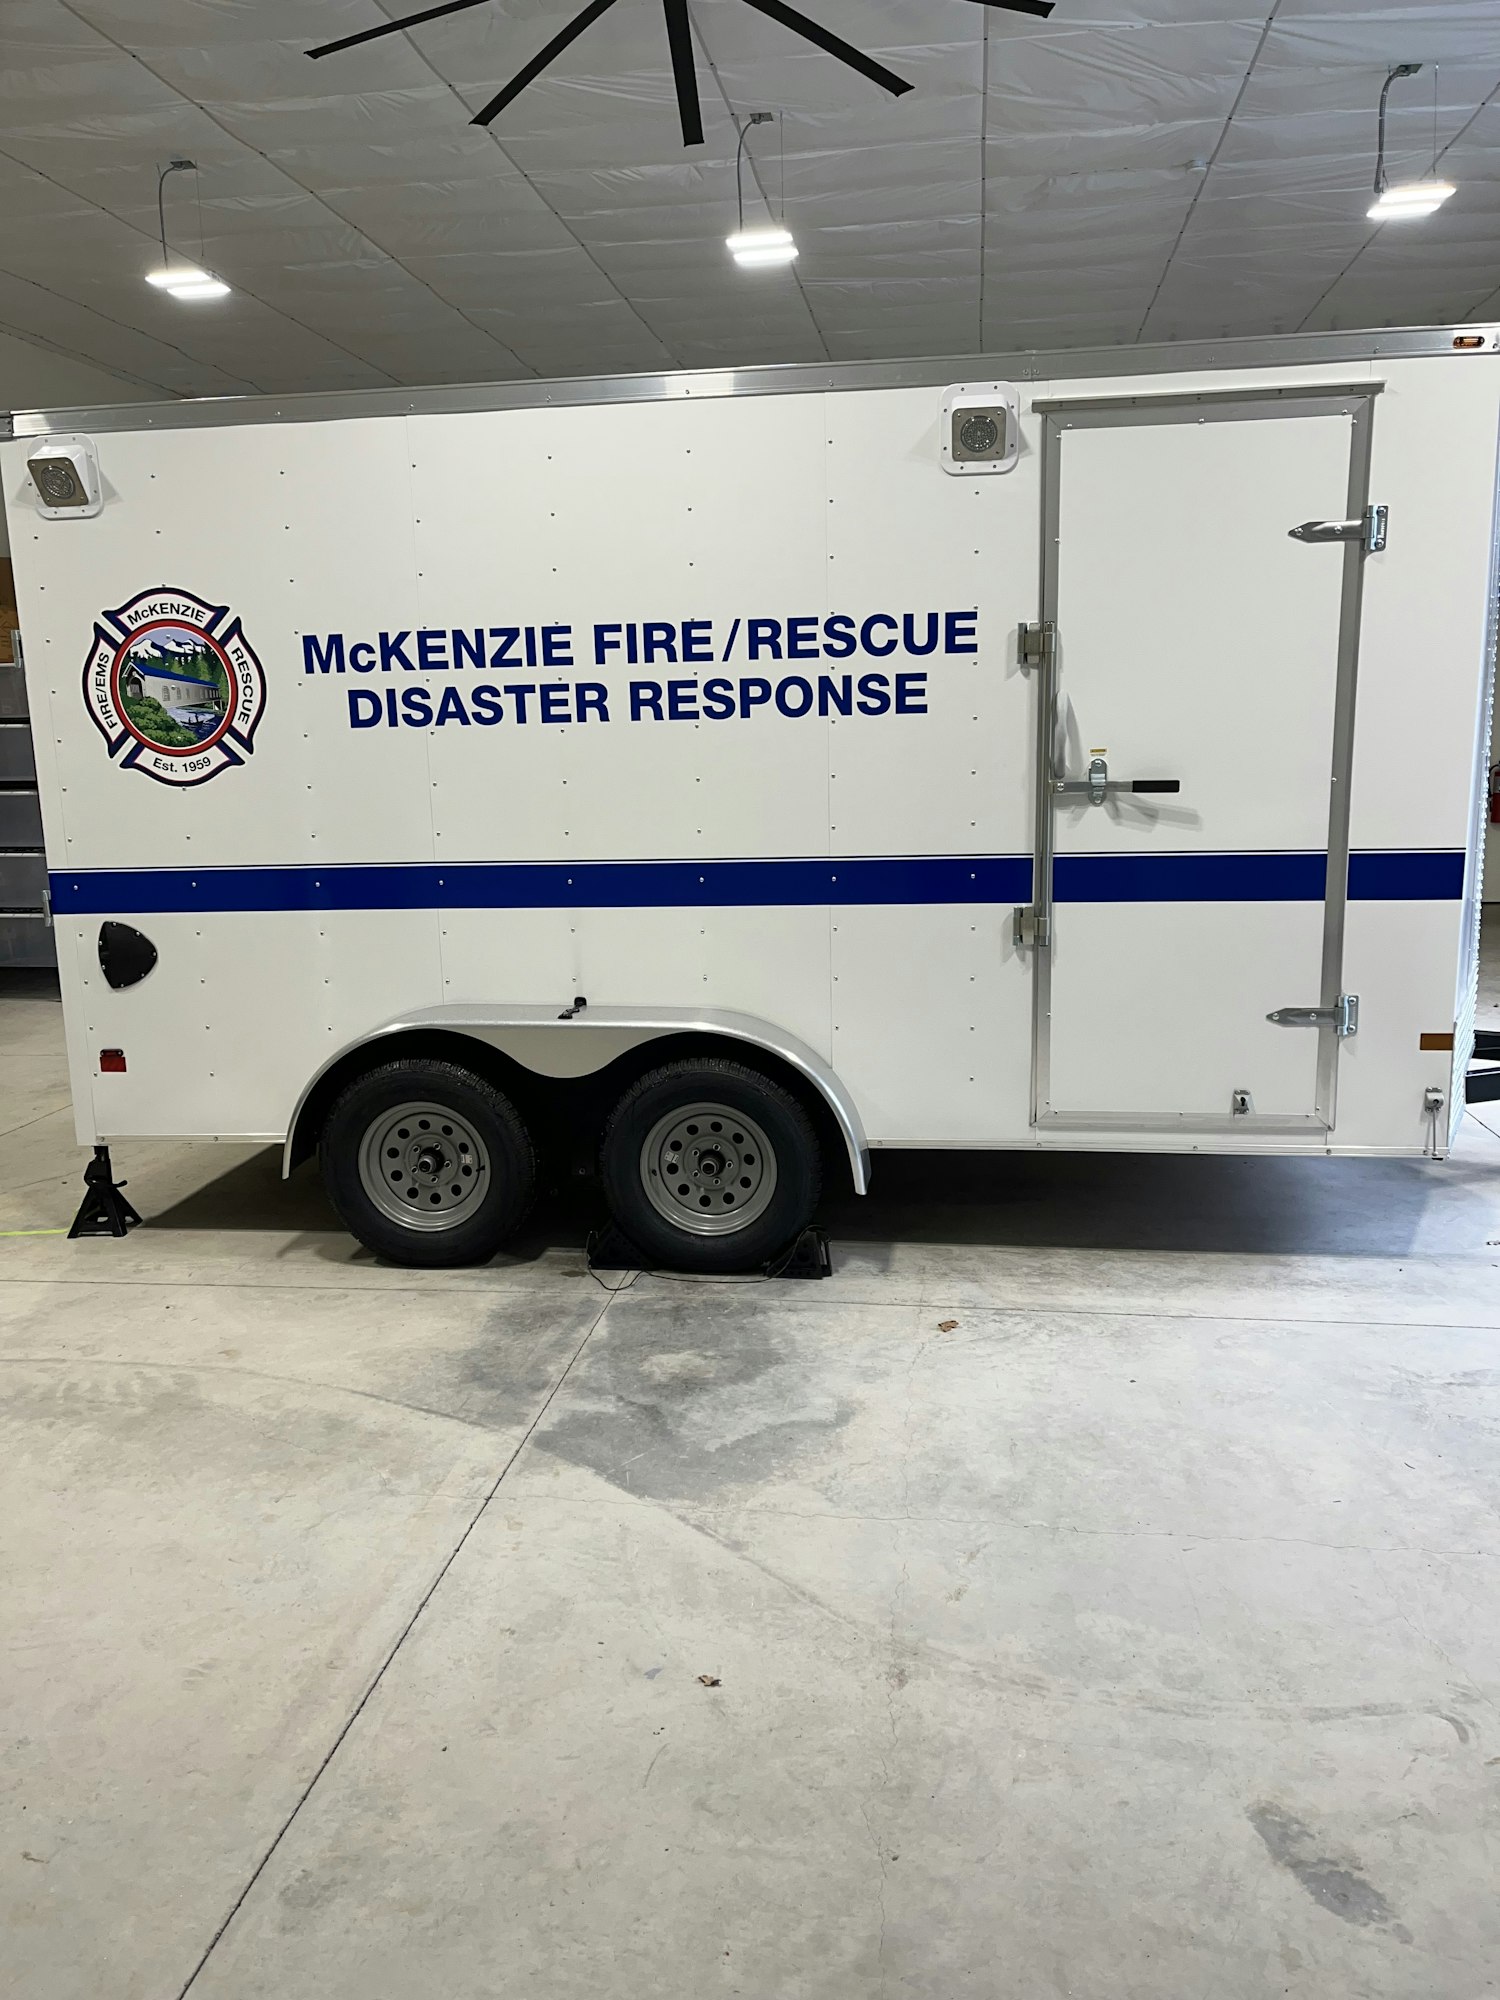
{"x":751,"y":770}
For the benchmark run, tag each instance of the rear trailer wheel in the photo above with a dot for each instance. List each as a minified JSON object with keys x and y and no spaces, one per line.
{"x":708,"y":1166}
{"x":426,"y":1163}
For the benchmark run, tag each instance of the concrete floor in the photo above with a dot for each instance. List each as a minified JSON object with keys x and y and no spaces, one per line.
{"x":1134,"y":1637}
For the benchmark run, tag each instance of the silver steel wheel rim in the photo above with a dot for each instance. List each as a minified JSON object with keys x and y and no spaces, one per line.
{"x":424,"y":1166}
{"x":708,"y":1169}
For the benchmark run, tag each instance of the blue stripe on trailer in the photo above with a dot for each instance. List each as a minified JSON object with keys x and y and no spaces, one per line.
{"x":1189,"y":878}
{"x":545,"y":885}
{"x":1428,"y":876}
{"x":1425,"y":876}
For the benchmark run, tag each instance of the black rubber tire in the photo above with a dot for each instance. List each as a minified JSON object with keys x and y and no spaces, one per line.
{"x":779,"y":1115}
{"x":494,"y":1119}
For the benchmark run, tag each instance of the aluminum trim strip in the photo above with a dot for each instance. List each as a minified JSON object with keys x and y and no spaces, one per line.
{"x":1155,"y":399}
{"x":797,"y":378}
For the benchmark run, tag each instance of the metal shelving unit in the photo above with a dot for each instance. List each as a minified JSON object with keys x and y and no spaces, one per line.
{"x":25,"y":926}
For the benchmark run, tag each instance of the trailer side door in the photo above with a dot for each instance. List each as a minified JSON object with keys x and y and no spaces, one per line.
{"x":1194,"y":741}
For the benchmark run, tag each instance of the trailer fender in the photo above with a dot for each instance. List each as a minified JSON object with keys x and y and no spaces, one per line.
{"x":578,"y":1040}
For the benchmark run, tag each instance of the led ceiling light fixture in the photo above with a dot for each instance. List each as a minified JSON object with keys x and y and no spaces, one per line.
{"x":772,"y":243}
{"x":177,"y":278}
{"x":1407,"y":199}
{"x":679,"y":43}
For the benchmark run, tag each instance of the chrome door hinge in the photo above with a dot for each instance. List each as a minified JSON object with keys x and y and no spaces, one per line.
{"x":1028,"y":926}
{"x":1368,"y":529}
{"x":1036,"y":645}
{"x":1342,"y":1017}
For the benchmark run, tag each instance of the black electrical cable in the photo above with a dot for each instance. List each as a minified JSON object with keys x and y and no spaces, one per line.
{"x":1401,"y":69}
{"x":754,"y":118}
{"x":172,"y":167}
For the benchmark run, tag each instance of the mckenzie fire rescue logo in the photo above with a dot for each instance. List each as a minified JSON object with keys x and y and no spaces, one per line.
{"x":173,"y":683}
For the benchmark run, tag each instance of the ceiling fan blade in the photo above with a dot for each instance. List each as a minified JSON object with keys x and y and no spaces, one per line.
{"x":684,"y":71}
{"x":1041,"y":8}
{"x":538,"y":63}
{"x":834,"y":44}
{"x":393,"y":27}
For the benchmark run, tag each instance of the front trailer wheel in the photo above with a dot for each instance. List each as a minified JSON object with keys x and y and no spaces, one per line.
{"x":427,"y":1163}
{"x":709,"y":1166}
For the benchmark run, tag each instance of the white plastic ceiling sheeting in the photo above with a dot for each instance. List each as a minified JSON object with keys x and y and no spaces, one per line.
{"x":1122,"y":171}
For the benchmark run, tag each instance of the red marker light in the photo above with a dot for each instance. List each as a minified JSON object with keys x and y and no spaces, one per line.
{"x":111,"y":1062}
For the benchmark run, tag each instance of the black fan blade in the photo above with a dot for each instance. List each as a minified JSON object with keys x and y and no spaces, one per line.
{"x":538,"y":63}
{"x":393,"y":27}
{"x":1041,"y":8}
{"x":834,"y":44}
{"x":684,"y":71}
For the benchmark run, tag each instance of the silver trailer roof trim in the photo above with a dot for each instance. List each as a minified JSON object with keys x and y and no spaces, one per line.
{"x":1031,"y":365}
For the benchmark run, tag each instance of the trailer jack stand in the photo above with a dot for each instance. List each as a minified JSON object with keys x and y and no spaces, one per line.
{"x":104,"y":1211}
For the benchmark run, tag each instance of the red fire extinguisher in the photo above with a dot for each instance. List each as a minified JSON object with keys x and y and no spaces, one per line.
{"x":1495,"y":794}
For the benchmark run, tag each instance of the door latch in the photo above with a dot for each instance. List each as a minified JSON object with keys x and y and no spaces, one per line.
{"x":1368,"y":529}
{"x":1099,"y":784}
{"x":1028,"y":927}
{"x":1342,"y":1016}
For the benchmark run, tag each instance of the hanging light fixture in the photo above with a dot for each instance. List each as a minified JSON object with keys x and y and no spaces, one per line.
{"x":772,"y":242}
{"x":176,"y":277}
{"x":1407,"y":200}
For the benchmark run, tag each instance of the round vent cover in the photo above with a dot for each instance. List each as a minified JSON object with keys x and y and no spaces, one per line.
{"x":979,"y":434}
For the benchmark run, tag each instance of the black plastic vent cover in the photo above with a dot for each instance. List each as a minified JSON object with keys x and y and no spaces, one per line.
{"x":126,"y":955}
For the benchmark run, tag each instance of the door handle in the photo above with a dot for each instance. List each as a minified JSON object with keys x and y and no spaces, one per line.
{"x":1098,"y":785}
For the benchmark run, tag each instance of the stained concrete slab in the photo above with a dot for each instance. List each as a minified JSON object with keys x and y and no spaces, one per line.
{"x":1136,"y":1634}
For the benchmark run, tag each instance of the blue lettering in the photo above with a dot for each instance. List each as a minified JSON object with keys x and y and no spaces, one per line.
{"x":718,"y":698}
{"x":958,"y":632}
{"x":838,"y":637}
{"x":518,"y":691}
{"x":557,"y":645}
{"x":874,"y":696}
{"x":451,"y":708}
{"x":783,"y":694}
{"x":909,"y":633}
{"x":487,"y":705}
{"x":606,"y":640}
{"x":802,"y":638}
{"x":754,"y":694}
{"x":468,"y":648}
{"x":554,"y":699}
{"x":658,"y":639}
{"x":362,"y":657}
{"x":324,"y":658}
{"x":432,"y":651}
{"x":682,"y":701}
{"x":765,"y":636}
{"x":392,"y":648}
{"x":416,"y":707}
{"x":507,"y":635}
{"x":645,"y":696}
{"x":364,"y":708}
{"x":867,"y":629}
{"x":836,"y":694}
{"x":591,"y":698}
{"x":697,"y":641}
{"x":911,"y":694}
